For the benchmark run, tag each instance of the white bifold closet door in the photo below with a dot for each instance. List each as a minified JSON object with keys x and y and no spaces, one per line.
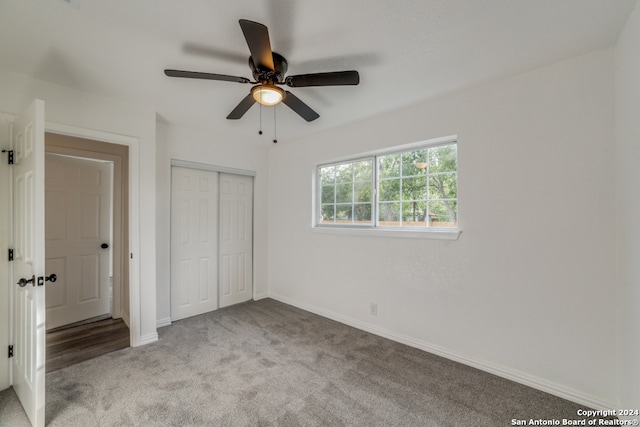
{"x":211,"y":240}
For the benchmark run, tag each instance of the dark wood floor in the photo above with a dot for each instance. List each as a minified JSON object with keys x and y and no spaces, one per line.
{"x":73,"y":345}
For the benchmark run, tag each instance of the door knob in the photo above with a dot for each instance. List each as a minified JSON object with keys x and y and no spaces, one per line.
{"x":23,"y":282}
{"x":51,"y":278}
{"x":104,"y":245}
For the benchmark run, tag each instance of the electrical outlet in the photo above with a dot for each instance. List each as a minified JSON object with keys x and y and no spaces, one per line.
{"x":373,"y":309}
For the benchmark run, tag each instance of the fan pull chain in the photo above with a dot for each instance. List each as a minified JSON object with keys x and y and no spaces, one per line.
{"x":275,"y":139}
{"x":260,"y":130}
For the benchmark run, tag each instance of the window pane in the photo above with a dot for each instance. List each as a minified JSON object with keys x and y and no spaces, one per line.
{"x":389,"y":190}
{"x":327,"y":193}
{"x":362,"y":213}
{"x":362,"y":171}
{"x":414,"y":162}
{"x":442,"y":213}
{"x":327,"y":213}
{"x":389,"y":214}
{"x":389,"y":166}
{"x":414,"y":188}
{"x":443,"y":186}
{"x":327,"y":175}
{"x":344,"y":173}
{"x":414,"y":214}
{"x":346,"y":190}
{"x":344,"y":193}
{"x":344,"y":213}
{"x":443,"y":159}
{"x":362,"y":192}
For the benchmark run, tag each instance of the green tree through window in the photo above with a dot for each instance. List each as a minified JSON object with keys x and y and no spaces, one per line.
{"x":413,"y":188}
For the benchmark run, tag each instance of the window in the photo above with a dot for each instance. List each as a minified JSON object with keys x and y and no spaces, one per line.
{"x":347,"y":193}
{"x":411,"y":189}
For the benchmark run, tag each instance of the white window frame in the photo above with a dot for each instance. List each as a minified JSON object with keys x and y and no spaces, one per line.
{"x":449,"y":233}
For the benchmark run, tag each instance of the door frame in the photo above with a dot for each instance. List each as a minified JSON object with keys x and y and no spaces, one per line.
{"x":134,"y":212}
{"x":224,"y":169}
{"x":96,"y":150}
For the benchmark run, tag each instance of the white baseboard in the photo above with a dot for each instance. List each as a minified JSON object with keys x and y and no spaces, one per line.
{"x":147,"y":339}
{"x":161,"y":323}
{"x":501,"y":371}
{"x":260,"y":296}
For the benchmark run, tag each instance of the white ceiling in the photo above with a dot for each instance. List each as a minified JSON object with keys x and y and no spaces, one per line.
{"x":405,"y":50}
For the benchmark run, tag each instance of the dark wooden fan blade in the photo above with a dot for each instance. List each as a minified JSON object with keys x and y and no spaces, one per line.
{"x":241,"y":108}
{"x":257,"y":36}
{"x":300,"y":107}
{"x":206,"y":76}
{"x":335,"y":78}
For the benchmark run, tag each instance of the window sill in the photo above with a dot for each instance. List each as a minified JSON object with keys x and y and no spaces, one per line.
{"x":381,"y":232}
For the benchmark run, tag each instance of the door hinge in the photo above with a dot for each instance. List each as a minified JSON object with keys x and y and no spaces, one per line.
{"x":10,"y":156}
{"x":10,"y":254}
{"x":10,"y":351}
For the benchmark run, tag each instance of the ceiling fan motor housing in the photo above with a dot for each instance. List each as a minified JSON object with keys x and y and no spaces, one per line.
{"x":264,"y":75}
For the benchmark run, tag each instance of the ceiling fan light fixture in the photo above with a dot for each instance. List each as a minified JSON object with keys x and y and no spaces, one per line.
{"x":267,"y":94}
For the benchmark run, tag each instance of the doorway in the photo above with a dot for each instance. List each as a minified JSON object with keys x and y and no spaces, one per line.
{"x":86,"y":211}
{"x":22,"y":307}
{"x":211,"y":239}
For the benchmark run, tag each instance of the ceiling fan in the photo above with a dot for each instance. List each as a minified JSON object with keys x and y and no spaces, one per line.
{"x":269,"y":69}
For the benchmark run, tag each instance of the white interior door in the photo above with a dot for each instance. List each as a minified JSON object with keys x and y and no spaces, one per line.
{"x":194,"y":247}
{"x":6,"y":285}
{"x":236,"y":239}
{"x":28,"y":265}
{"x":78,"y":206}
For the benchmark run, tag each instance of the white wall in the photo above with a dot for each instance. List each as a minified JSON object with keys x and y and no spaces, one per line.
{"x":218,"y":150}
{"x":65,"y":106}
{"x":627,"y":93}
{"x":528,"y":291}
